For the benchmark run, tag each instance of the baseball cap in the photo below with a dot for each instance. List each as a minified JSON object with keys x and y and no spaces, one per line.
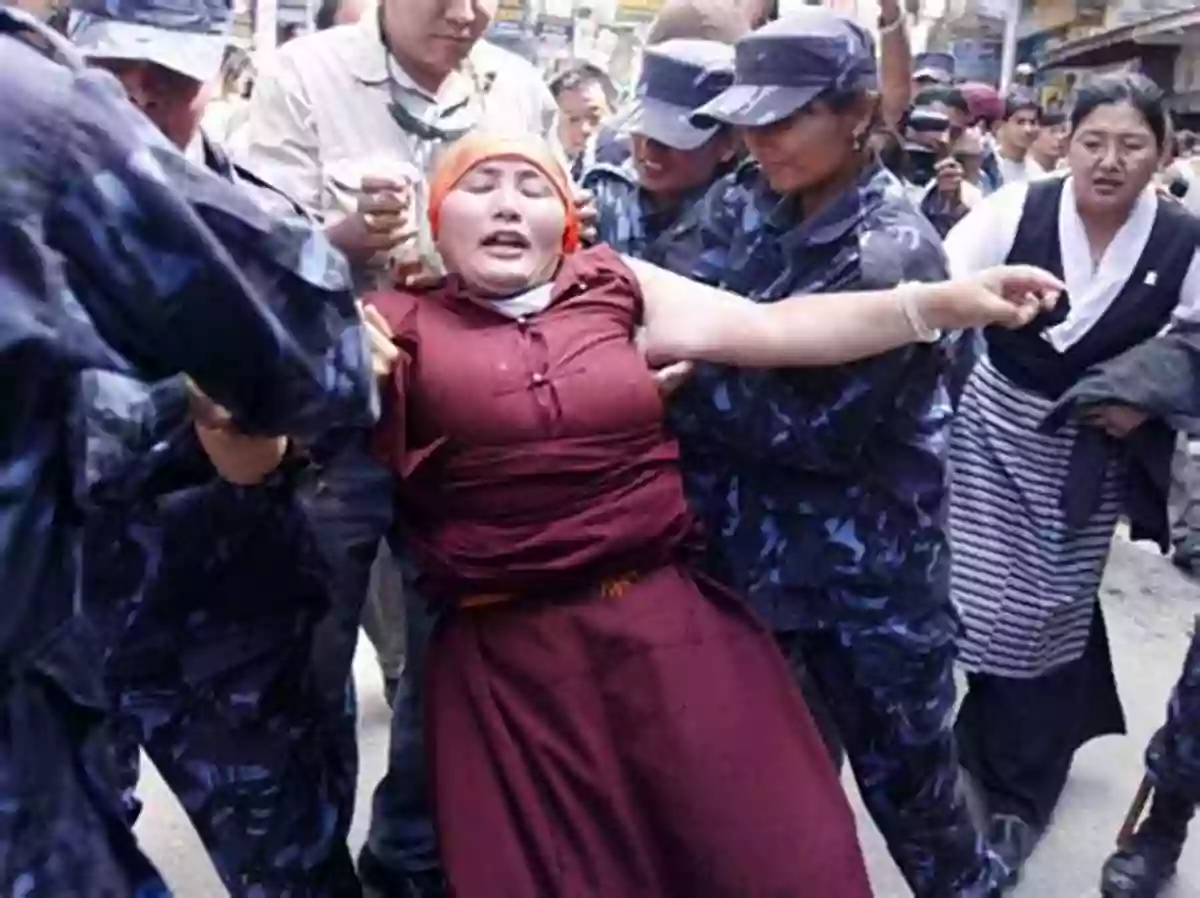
{"x":938,"y":67}
{"x":782,"y":67}
{"x":188,"y":37}
{"x":678,"y":77}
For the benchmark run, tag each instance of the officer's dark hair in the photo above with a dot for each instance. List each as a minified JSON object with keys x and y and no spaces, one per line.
{"x":1052,"y":117}
{"x":579,"y":75}
{"x":947,"y":96}
{"x":1020,"y":101}
{"x":889,"y":149}
{"x":841,"y":100}
{"x":1131,"y":88}
{"x":326,"y":16}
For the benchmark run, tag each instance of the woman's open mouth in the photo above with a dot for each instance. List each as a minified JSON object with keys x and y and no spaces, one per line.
{"x":505,"y":244}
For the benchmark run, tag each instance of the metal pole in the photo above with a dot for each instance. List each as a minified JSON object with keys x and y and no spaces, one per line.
{"x":1008,"y":60}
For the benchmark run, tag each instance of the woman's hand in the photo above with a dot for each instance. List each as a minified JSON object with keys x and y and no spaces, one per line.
{"x":239,"y":459}
{"x":1009,"y":295}
{"x":670,"y":378}
{"x":589,"y":216}
{"x":379,"y":340}
{"x":1116,"y":420}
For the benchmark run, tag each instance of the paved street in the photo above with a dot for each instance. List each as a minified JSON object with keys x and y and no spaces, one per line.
{"x":1149,"y":608}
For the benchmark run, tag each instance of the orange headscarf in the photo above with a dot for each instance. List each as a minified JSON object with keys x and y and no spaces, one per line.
{"x":473,"y":149}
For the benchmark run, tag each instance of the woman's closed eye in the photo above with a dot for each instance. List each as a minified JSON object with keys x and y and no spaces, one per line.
{"x":530,"y":183}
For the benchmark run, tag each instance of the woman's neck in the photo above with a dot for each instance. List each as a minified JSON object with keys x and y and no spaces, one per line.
{"x":1100,"y":231}
{"x":818,"y":197}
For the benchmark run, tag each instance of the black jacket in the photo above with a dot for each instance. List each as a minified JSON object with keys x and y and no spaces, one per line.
{"x":1160,"y":376}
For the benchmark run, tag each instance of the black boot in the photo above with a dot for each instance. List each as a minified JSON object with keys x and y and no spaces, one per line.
{"x":379,"y":881}
{"x":1013,"y":841}
{"x":1143,"y":867}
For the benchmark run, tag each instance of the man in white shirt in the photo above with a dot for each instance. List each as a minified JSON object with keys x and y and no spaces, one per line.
{"x":377,"y":101}
{"x":1015,"y":135}
{"x":1050,"y":145}
{"x":383,"y":94}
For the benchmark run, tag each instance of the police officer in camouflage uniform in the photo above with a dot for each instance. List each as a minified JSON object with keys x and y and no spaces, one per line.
{"x":649,"y":204}
{"x":210,"y":662}
{"x":824,"y":494}
{"x":1143,"y":868}
{"x":118,"y":256}
{"x":643,"y":201}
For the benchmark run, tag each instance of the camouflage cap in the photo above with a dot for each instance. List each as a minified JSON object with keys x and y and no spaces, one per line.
{"x":186,"y":36}
{"x":784,"y":66}
{"x":936,"y":67}
{"x":677,"y":78}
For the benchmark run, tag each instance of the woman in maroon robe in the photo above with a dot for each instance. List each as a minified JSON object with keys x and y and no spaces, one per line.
{"x":603,"y":722}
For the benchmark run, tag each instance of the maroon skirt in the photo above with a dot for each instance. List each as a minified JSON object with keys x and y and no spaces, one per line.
{"x":644,"y":742}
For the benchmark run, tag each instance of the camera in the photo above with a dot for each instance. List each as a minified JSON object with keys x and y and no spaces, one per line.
{"x":928,"y":134}
{"x":920,"y":164}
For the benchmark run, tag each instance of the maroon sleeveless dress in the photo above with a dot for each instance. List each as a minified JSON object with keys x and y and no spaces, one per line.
{"x":603,"y":722}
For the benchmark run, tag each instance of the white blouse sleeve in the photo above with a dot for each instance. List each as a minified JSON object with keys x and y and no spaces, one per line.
{"x":1188,"y":309}
{"x":986,"y":234}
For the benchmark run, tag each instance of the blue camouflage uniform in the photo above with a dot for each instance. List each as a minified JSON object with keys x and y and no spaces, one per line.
{"x":1173,"y":758}
{"x":1148,"y":859}
{"x":824,"y":491}
{"x":119,"y":256}
{"x":209,"y":659}
{"x":628,"y":222}
{"x":677,"y":77}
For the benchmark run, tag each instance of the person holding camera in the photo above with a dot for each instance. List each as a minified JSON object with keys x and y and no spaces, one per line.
{"x":940,"y":150}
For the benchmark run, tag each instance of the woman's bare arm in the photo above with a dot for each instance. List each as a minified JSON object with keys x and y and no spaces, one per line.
{"x":686,"y":321}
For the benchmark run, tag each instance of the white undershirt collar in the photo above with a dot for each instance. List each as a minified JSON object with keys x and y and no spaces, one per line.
{"x":1092,"y":290}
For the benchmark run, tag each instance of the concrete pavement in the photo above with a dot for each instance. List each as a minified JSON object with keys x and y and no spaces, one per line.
{"x":1149,"y":606}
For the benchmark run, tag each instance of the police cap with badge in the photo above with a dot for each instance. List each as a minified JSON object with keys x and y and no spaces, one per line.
{"x":188,"y":37}
{"x":678,"y":77}
{"x":782,"y":67}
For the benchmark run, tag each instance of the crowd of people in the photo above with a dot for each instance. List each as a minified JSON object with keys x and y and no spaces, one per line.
{"x":674,"y":447}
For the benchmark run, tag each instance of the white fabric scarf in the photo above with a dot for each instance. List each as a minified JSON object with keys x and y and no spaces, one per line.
{"x":1092,"y":290}
{"x":524,"y":304}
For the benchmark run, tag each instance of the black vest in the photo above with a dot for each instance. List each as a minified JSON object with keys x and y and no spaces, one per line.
{"x":1138,"y":313}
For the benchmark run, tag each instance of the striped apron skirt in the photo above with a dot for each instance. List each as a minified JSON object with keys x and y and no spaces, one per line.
{"x":1024,"y":581}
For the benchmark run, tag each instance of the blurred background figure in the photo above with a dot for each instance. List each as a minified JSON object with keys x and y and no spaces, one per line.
{"x":338,"y":12}
{"x":933,"y":69}
{"x":227,"y":111}
{"x":586,"y":97}
{"x":1050,"y":145}
{"x":935,"y":169}
{"x":1015,"y":134}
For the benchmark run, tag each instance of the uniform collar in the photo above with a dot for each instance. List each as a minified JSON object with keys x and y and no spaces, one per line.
{"x":835,"y":221}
